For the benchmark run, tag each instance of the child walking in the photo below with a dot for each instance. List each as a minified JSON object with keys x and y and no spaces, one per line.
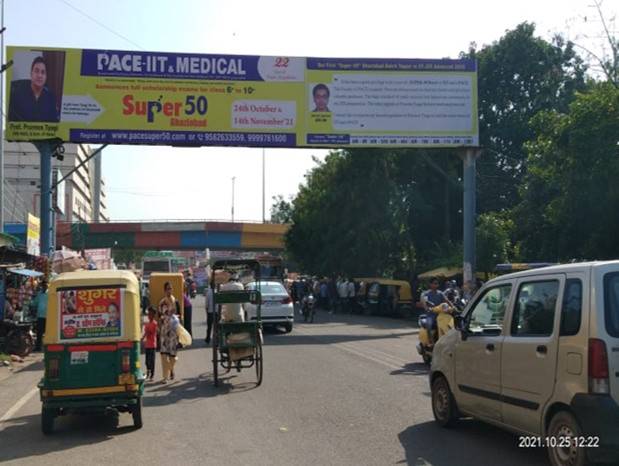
{"x":150,"y":342}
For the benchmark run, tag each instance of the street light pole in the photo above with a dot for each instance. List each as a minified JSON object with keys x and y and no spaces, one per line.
{"x":263,"y":186}
{"x":233,"y":178}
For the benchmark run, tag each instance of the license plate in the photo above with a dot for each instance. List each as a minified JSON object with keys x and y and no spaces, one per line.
{"x":79,"y":357}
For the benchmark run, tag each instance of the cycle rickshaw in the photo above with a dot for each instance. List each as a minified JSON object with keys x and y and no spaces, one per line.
{"x":236,"y":344}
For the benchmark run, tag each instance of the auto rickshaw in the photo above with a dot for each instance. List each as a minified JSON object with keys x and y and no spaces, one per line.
{"x":156,"y":285}
{"x":92,"y":346}
{"x":384,"y":296}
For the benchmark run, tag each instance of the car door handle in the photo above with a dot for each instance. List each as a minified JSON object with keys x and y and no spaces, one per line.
{"x":542,"y":349}
{"x":490,"y":347}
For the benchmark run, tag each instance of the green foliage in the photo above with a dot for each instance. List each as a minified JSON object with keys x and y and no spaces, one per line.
{"x":571,"y":194}
{"x":493,"y":235}
{"x":125,"y":256}
{"x":518,"y":76}
{"x":281,"y":210}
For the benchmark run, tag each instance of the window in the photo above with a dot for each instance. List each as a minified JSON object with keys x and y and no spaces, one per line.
{"x":571,"y":309}
{"x":611,"y":303}
{"x":269,"y":288}
{"x":489,"y":311}
{"x":535,"y":309}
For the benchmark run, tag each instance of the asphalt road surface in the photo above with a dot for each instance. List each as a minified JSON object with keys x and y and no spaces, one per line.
{"x":346,"y":390}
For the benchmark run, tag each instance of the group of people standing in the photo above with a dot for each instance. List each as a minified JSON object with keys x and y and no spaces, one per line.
{"x":336,"y":294}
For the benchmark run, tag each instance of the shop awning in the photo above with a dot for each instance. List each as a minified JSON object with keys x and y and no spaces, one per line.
{"x":26,"y":272}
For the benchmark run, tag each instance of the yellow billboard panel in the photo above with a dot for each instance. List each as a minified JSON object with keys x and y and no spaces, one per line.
{"x":123,"y":97}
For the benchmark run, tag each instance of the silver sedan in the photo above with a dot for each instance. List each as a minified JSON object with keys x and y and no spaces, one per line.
{"x":277,"y":308}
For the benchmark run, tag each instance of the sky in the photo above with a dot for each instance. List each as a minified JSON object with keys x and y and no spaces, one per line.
{"x":158,"y":182}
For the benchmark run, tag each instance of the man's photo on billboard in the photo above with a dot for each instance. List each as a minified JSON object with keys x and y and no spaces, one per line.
{"x":36,"y":86}
{"x":320,"y":97}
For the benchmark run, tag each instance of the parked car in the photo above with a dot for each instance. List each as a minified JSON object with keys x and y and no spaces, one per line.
{"x":537,"y":353}
{"x":277,"y":307}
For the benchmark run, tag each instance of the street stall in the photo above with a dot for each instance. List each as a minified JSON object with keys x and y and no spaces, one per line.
{"x":18,"y":285}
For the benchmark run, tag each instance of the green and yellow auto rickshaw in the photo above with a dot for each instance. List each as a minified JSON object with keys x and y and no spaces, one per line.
{"x":92,"y":346}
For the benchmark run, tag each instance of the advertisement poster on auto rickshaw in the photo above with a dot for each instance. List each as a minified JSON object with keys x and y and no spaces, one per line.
{"x":93,"y":313}
{"x":139,"y":97}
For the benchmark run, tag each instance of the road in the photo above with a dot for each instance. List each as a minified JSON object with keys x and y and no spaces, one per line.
{"x":346,"y":390}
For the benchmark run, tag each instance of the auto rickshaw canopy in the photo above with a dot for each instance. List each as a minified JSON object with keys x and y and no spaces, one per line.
{"x":404,"y":287}
{"x":156,"y":284}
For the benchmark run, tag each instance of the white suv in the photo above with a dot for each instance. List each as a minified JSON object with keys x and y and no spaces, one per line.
{"x":537,"y":353}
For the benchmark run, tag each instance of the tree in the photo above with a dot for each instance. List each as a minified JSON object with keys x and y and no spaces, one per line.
{"x":518,"y":76}
{"x":493,"y":241}
{"x":126,"y":256}
{"x":570,"y":194}
{"x":281,"y":210}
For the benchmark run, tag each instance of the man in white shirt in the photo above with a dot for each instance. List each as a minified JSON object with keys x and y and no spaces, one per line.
{"x":342,"y":292}
{"x":351,"y":293}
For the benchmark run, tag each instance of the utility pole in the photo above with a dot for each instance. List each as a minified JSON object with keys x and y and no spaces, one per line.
{"x":263,"y":187}
{"x":2,"y":119}
{"x":233,"y":178}
{"x":469,"y":159}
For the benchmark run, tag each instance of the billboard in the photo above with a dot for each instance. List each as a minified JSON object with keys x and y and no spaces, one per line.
{"x":90,"y":313}
{"x":33,"y":243}
{"x":123,"y":97}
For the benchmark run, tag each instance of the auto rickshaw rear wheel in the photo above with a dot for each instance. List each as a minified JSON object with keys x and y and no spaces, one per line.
{"x":136,"y":412}
{"x":47,"y":420}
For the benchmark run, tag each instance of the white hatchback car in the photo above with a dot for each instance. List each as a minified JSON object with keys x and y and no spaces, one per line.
{"x":537,"y":353}
{"x":277,"y":308}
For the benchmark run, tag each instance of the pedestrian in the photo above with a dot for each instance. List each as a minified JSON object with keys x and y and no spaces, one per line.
{"x":332,"y":290}
{"x":210,"y":312}
{"x":351,"y":294}
{"x":169,"y":342}
{"x":342,"y":292}
{"x":150,"y":342}
{"x":324,"y":294}
{"x":41,"y":306}
{"x":188,"y":310}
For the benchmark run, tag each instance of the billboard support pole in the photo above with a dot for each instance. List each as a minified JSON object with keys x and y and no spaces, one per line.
{"x":46,"y":150}
{"x":469,"y":158}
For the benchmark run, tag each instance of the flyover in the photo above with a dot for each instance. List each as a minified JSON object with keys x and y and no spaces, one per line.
{"x":169,"y":234}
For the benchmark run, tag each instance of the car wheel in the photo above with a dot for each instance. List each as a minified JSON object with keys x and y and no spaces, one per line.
{"x":443,"y":403}
{"x":564,"y":425}
{"x":288,"y":328}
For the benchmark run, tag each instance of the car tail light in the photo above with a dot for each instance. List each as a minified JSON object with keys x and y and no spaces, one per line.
{"x":126,"y":361}
{"x":53,"y":368}
{"x":287,"y":300}
{"x":598,"y":367}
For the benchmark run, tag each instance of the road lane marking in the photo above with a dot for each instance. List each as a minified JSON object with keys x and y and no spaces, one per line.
{"x":17,"y":406}
{"x":365,"y":354}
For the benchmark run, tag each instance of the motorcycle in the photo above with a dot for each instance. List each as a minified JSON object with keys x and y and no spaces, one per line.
{"x":18,"y":337}
{"x":307,"y":307}
{"x":434,"y":323}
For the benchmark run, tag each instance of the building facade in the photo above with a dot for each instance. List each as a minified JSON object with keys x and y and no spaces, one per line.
{"x":81,"y":199}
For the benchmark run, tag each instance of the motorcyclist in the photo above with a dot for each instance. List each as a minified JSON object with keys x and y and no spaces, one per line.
{"x":431,"y":298}
{"x":452,"y":293}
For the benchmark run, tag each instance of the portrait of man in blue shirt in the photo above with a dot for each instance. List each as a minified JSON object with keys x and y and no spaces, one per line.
{"x":31,"y":99}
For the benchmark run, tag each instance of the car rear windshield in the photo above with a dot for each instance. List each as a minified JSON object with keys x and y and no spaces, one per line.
{"x":611,"y":303}
{"x":269,"y":288}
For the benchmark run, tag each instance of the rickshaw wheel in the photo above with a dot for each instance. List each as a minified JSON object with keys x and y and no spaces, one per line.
{"x":258,"y":361}
{"x":47,"y":421}
{"x":215,"y":368}
{"x":136,"y":412}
